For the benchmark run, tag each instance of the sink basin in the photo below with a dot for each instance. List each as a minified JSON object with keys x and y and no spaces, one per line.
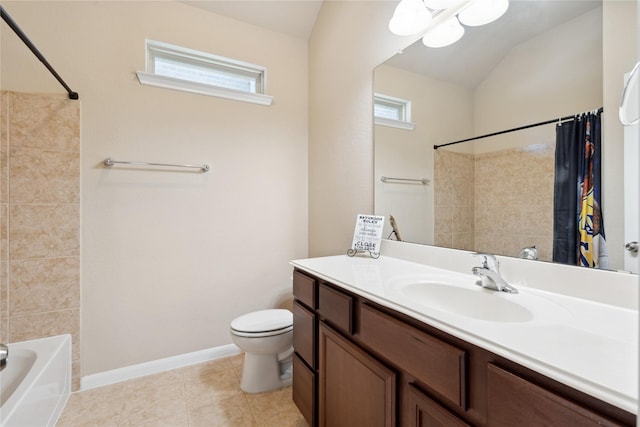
{"x":471,"y":301}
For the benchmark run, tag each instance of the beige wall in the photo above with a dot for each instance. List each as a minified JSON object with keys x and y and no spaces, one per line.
{"x":555,"y":74}
{"x":442,"y":112}
{"x":40,"y":214}
{"x":620,"y":47}
{"x":348,"y":41}
{"x":170,"y":258}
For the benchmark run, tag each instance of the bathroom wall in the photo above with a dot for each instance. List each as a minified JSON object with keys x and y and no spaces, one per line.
{"x":170,"y":258}
{"x":40,"y":214}
{"x":348,"y":41}
{"x":441,"y":111}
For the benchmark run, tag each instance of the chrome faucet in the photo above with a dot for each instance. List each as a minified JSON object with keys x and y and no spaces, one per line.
{"x":4,"y":352}
{"x":489,"y":274}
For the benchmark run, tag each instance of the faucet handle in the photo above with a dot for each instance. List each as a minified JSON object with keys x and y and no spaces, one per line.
{"x":489,"y":260}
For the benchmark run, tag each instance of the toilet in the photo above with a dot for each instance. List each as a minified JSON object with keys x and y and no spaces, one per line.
{"x":266,"y":338}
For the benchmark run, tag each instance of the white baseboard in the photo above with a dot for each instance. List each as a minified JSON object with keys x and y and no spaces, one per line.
{"x":153,"y":367}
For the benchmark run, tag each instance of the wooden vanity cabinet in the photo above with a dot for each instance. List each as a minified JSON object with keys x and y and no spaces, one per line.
{"x":355,"y":389}
{"x":359,"y":364}
{"x":513,"y":401}
{"x":305,"y":339}
{"x":422,"y":411}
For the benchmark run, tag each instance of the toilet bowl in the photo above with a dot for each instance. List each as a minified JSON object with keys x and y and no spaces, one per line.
{"x":266,"y":337}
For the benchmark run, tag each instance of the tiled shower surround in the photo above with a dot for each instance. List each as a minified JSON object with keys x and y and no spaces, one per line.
{"x":509,"y":200}
{"x":40,"y":219}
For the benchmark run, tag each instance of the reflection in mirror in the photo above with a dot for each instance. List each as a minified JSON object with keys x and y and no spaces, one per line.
{"x":541,"y":60}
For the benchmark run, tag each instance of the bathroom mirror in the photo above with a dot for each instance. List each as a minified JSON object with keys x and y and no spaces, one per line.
{"x":539,"y":61}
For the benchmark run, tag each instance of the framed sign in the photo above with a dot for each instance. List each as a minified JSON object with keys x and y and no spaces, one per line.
{"x":368,"y":234}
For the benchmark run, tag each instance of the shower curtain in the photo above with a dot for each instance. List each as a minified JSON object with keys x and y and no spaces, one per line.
{"x":578,"y":226}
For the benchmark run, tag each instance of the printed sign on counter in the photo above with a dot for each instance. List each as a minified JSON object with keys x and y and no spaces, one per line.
{"x":368,"y":233}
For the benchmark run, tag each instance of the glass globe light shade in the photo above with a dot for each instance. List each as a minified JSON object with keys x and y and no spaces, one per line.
{"x":410,"y":17}
{"x":440,"y":4}
{"x":449,"y":32}
{"x":480,"y":12}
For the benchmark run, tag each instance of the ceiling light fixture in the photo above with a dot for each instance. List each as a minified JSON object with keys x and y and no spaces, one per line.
{"x":414,"y":17}
{"x":410,"y":17}
{"x":449,"y":32}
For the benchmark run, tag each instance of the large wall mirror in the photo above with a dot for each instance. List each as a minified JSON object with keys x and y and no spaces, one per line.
{"x":541,"y":60}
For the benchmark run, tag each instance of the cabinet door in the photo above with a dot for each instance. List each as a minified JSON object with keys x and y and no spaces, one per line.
{"x":514,"y":401}
{"x":304,"y":336}
{"x":421,"y":411}
{"x":304,"y":389}
{"x":355,"y":389}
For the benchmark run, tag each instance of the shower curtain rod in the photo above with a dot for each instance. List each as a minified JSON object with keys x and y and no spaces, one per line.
{"x":7,"y":18}
{"x":546,"y":122}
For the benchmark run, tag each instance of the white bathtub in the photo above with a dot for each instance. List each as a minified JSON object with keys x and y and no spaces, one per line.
{"x":35,"y":384}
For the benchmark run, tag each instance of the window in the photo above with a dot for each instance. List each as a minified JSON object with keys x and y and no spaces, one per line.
{"x":189,"y":70}
{"x":394,"y":112}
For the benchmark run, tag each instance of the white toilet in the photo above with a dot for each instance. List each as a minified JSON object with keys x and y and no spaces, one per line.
{"x":266,"y":337}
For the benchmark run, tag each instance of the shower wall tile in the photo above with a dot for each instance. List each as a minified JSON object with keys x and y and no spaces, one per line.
{"x":518,"y":185}
{"x":46,"y":122}
{"x":4,"y":148}
{"x":42,"y":285}
{"x":443,"y":239}
{"x":4,"y":231}
{"x":41,"y":325}
{"x":4,"y":284}
{"x":454,"y":199}
{"x":464,"y":241}
{"x":443,"y":192}
{"x":39,"y":231}
{"x":40,"y":219}
{"x":4,"y":330}
{"x":44,"y":176}
{"x":444,"y":216}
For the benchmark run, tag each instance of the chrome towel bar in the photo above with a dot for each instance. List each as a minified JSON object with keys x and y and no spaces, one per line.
{"x":110,"y":162}
{"x":423,"y":181}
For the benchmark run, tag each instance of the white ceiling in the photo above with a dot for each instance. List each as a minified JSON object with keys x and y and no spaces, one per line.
{"x":292,"y":17}
{"x":467,"y":62}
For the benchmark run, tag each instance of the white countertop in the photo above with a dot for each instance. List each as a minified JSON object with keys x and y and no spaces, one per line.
{"x":586,"y":345}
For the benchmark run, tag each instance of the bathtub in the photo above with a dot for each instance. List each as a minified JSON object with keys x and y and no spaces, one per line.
{"x":36,"y":382}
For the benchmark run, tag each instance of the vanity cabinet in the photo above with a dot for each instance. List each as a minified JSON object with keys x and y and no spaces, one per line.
{"x":305,"y":338}
{"x":355,"y":389}
{"x":358,"y":363}
{"x":515,"y":401}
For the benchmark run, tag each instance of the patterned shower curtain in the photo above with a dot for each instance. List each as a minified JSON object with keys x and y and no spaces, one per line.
{"x":578,"y":228}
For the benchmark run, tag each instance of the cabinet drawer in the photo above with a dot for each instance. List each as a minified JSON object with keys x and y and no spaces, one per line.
{"x":512,"y":400}
{"x":304,"y":389}
{"x":305,"y":289}
{"x":436,"y":364}
{"x":422,"y":411}
{"x":336,"y":308}
{"x":304,"y":333}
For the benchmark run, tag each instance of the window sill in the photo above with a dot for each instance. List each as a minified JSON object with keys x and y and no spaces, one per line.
{"x":395,"y":123}
{"x":202,"y":89}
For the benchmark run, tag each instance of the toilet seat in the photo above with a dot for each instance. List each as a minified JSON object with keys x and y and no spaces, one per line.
{"x":263,"y":323}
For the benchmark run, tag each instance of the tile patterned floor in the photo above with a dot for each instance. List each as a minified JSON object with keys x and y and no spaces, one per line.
{"x":203,"y":395}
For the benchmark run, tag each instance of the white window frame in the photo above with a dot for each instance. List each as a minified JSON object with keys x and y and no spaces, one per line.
{"x":190,"y":56}
{"x":403,"y":106}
